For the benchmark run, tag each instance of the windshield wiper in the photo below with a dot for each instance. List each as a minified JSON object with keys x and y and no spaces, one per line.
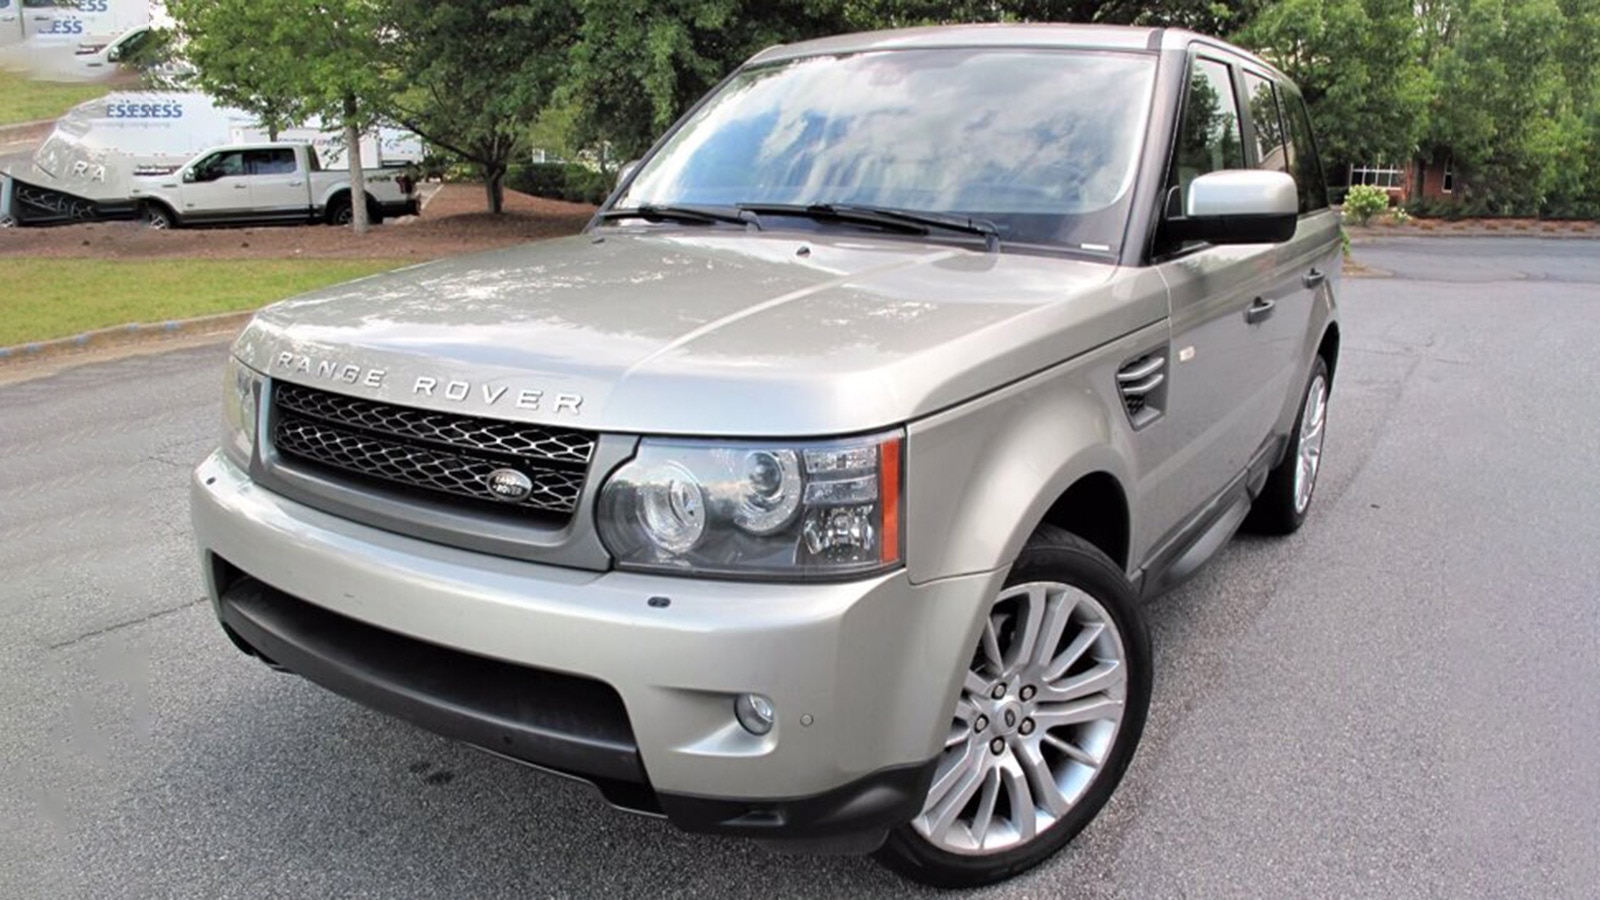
{"x":910,"y":221}
{"x":694,"y":215}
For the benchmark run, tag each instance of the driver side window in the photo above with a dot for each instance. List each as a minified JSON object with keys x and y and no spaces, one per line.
{"x":1209,"y":139}
{"x":221,"y":165}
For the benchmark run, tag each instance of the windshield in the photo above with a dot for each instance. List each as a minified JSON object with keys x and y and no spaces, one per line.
{"x":1044,"y":144}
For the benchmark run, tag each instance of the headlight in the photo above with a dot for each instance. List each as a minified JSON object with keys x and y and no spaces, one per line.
{"x":756,"y":509}
{"x":241,"y":397}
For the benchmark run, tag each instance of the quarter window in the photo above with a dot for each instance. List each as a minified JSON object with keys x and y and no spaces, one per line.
{"x":1305,"y":166}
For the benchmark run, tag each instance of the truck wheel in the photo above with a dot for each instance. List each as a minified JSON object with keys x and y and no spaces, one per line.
{"x":1282,"y":506}
{"x":1050,"y":713}
{"x":340,"y":212}
{"x":157,"y":217}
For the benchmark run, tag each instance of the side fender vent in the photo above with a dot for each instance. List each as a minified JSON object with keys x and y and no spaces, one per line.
{"x":1143,"y":385}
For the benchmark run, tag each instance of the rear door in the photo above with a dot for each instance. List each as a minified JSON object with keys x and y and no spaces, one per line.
{"x":277,"y":184}
{"x":1221,"y":400}
{"x":1302,"y":265}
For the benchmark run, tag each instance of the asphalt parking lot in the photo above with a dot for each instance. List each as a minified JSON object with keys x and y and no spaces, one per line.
{"x":1402,"y":700}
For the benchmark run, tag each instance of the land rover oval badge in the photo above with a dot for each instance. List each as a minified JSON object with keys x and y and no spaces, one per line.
{"x":509,"y":485}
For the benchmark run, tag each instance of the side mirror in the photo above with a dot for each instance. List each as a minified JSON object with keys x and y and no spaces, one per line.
{"x":1238,"y":206}
{"x":626,"y":170}
{"x":189,"y":176}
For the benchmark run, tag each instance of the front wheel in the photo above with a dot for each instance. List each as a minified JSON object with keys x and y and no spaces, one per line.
{"x":1052,"y":707}
{"x":157,"y":217}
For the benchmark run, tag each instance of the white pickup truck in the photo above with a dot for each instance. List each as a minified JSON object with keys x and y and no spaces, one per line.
{"x":266,"y":183}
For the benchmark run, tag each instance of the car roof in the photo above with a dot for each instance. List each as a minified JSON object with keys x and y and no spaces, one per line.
{"x":1042,"y":35}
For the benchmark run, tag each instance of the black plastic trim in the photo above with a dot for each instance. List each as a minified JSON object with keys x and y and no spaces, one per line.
{"x":876,"y":803}
{"x":548,"y":719}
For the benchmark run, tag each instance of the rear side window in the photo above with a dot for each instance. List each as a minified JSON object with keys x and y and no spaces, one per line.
{"x":1305,"y":167}
{"x":1272,"y":151}
{"x":1209,"y":139}
{"x":277,"y":161}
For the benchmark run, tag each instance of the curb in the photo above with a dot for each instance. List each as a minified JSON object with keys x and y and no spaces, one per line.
{"x":21,"y":132}
{"x":121,"y":335}
{"x":1358,"y":238}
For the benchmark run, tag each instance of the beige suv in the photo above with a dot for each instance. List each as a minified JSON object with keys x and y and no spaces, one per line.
{"x":811,"y":494}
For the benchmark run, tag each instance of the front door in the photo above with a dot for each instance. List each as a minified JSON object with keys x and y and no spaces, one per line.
{"x":220,"y":189}
{"x":1220,"y":398}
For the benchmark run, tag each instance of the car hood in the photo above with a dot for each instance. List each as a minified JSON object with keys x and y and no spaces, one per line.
{"x":702,"y":331}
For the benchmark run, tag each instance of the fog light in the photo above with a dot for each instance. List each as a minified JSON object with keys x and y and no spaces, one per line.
{"x":755,"y":713}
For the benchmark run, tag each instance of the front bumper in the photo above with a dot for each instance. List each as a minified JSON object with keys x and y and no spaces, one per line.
{"x":527,"y":660}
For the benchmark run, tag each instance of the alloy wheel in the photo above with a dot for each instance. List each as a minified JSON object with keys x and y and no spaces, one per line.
{"x":1036,"y":723}
{"x":1312,"y":419}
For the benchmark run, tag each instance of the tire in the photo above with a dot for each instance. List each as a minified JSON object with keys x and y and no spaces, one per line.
{"x":158,"y":217}
{"x":340,"y":212}
{"x":1284,"y":501}
{"x":1102,"y":651}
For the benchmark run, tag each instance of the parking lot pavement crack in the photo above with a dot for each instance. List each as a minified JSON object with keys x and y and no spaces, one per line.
{"x":1411,"y":353}
{"x":148,"y":617}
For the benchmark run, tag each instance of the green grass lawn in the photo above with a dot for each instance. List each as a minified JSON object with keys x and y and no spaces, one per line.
{"x":52,"y":298}
{"x":22,"y":100}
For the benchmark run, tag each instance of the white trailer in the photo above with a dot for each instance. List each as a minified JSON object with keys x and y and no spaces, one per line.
{"x":91,"y":165}
{"x":53,"y":32}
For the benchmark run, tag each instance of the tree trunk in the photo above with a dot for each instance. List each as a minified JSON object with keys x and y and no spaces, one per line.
{"x":494,"y":184}
{"x":358,"y":181}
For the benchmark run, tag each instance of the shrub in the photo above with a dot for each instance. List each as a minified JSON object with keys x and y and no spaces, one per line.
{"x":1365,"y":201}
{"x":561,"y":181}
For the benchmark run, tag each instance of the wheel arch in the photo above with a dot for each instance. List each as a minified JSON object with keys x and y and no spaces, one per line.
{"x":1095,"y":508}
{"x":342,"y":194}
{"x":164,"y":206}
{"x":981,"y":481}
{"x":1328,"y":349}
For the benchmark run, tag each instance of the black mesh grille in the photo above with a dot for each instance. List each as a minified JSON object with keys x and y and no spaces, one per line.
{"x":441,"y":452}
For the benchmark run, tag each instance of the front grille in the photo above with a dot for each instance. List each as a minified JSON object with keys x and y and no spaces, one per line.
{"x":442,"y":453}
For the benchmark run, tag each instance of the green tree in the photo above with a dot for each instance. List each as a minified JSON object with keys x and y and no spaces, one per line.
{"x":471,"y":75}
{"x":1504,"y":108}
{"x":289,"y":60}
{"x":1357,"y":64}
{"x":1206,"y":16}
{"x":638,"y":64}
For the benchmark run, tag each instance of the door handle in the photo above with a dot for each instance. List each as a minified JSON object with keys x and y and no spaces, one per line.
{"x":1313,"y":279}
{"x":296,"y":183}
{"x":1259,"y":310}
{"x":241,"y":187}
